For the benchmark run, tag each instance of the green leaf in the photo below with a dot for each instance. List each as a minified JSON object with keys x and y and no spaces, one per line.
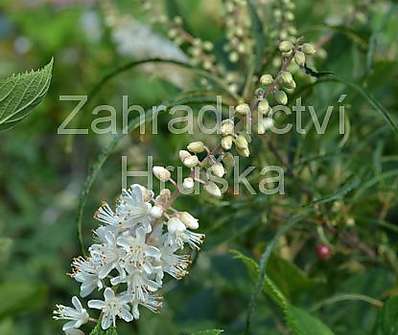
{"x":299,"y":321}
{"x":20,"y":297}
{"x":20,"y":93}
{"x":387,"y":318}
{"x":98,"y":331}
{"x":302,"y":323}
{"x":209,"y":332}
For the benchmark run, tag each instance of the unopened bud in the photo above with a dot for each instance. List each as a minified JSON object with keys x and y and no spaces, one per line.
{"x":183,"y":154}
{"x":191,"y":161}
{"x":227,"y":127}
{"x":243,"y":152}
{"x":286,"y":46}
{"x":213,"y":189}
{"x":175,"y":225}
{"x":241,"y":142}
{"x":264,"y":125}
{"x":226,"y":142}
{"x":308,"y":49}
{"x":196,"y":147}
{"x":161,"y":173}
{"x":263,"y":107}
{"x":218,"y":169}
{"x":266,"y":79}
{"x":156,"y":212}
{"x":188,"y":183}
{"x":281,"y":97}
{"x":189,"y":221}
{"x":299,"y":58}
{"x":286,"y":77}
{"x":243,"y":109}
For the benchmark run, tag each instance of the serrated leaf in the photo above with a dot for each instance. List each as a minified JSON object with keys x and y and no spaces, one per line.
{"x":387,"y":318}
{"x":20,"y":93}
{"x":99,"y":331}
{"x":209,"y":332}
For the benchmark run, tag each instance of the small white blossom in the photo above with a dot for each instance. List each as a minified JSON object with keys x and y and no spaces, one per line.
{"x":85,"y":271}
{"x":112,"y":307}
{"x":76,"y":316}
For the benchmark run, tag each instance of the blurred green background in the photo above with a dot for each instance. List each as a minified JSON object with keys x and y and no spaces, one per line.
{"x":41,"y":172}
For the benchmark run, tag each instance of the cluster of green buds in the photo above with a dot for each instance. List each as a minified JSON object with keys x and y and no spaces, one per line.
{"x":199,"y":50}
{"x":238,"y":34}
{"x":291,"y":51}
{"x":284,"y":20}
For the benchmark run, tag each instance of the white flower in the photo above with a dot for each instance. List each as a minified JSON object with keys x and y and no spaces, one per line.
{"x":153,"y":303}
{"x":178,"y":234}
{"x":113,"y":306}
{"x":134,"y":208}
{"x":85,"y":271}
{"x":106,"y":215}
{"x":107,"y":253}
{"x":77,"y":316}
{"x":174,"y":265}
{"x":139,"y":263}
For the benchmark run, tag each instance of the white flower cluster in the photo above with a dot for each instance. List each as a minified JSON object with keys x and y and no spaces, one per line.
{"x":137,"y":244}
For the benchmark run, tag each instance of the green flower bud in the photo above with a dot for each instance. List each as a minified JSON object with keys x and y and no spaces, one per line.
{"x":226,"y":142}
{"x":227,"y":127}
{"x":263,"y":107}
{"x":280,"y":97}
{"x":299,"y":58}
{"x":286,"y":46}
{"x":243,"y":152}
{"x":243,"y":109}
{"x":241,"y":142}
{"x":196,"y":147}
{"x":266,"y":79}
{"x":286,"y":77}
{"x":308,"y":49}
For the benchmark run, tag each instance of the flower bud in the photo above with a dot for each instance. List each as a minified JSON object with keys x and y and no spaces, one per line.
{"x":175,"y":225}
{"x":227,"y":127}
{"x":218,"y":169}
{"x":285,"y":46}
{"x":226,"y":142}
{"x":188,"y":220}
{"x":263,"y":107}
{"x":161,"y":173}
{"x":241,"y":142}
{"x":196,"y":147}
{"x":183,"y":155}
{"x":191,"y":161}
{"x":281,"y":97}
{"x":243,"y":109}
{"x":243,"y":152}
{"x":156,"y":212}
{"x":308,"y":49}
{"x":286,"y":77}
{"x":234,"y":57}
{"x":213,"y":189}
{"x":188,"y":183}
{"x":266,"y":79}
{"x":264,"y":125}
{"x":299,"y":58}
